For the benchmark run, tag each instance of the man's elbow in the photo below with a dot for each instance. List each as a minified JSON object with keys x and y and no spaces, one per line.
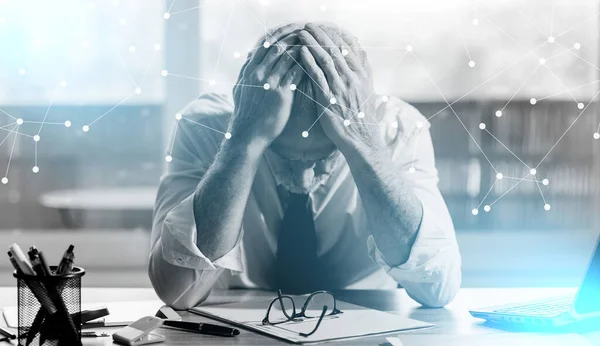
{"x":175,"y":286}
{"x":437,"y":294}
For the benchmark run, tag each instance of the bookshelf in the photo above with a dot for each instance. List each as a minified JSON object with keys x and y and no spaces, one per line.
{"x":529,"y":131}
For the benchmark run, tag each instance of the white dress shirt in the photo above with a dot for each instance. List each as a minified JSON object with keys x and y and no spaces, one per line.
{"x":182,"y":276}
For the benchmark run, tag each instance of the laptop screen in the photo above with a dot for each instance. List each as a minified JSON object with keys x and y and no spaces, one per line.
{"x":588,"y":297}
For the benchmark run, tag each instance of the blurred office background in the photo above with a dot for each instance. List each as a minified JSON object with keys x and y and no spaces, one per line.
{"x":97,"y":85}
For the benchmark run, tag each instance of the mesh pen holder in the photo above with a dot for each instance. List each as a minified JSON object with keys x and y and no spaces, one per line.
{"x":49,"y":309}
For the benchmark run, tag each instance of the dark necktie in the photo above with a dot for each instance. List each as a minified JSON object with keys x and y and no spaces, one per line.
{"x":297,"y":268}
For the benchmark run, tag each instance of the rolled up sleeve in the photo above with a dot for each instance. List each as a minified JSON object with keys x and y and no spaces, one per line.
{"x":179,"y":242}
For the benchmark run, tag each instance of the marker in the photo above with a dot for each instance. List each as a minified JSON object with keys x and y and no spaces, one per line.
{"x":22,"y":261}
{"x":66,"y":263}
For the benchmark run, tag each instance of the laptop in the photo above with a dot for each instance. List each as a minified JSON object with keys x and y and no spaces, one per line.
{"x":554,"y":312}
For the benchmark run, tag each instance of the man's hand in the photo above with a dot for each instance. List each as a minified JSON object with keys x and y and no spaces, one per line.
{"x":344,"y":87}
{"x":262,"y":96}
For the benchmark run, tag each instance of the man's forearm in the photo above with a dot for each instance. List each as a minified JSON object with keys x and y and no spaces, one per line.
{"x":221,"y":197}
{"x":394,"y":213}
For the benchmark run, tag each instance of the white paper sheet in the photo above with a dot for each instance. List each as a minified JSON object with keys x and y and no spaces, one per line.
{"x":355,"y":321}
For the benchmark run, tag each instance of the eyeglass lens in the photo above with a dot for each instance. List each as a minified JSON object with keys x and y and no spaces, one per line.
{"x":314,"y":306}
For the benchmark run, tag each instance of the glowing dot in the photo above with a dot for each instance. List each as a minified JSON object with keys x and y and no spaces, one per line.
{"x":419,"y":125}
{"x":63,"y":83}
{"x":395,"y":124}
{"x":580,"y":105}
{"x":19,"y":121}
{"x":533,"y":171}
{"x":344,"y":52}
{"x":168,"y":158}
{"x":156,"y":46}
{"x":85,"y":44}
{"x":361,"y":115}
{"x":22,"y":71}
{"x":545,"y":182}
{"x":67,"y":123}
{"x":85,"y":128}
{"x":212,"y":82}
{"x":385,"y":99}
{"x":471,"y":63}
{"x":304,"y":134}
{"x":267,"y":86}
{"x":267,"y":44}
{"x":346,"y":122}
{"x":166,"y":15}
{"x":411,"y":170}
{"x":138,"y":90}
{"x":292,"y":87}
{"x":551,"y":39}
{"x":178,"y":116}
{"x":36,"y":138}
{"x":132,"y":49}
{"x":542,"y":61}
{"x":577,"y":45}
{"x":533,"y":101}
{"x":323,"y":8}
{"x":487,"y":208}
{"x":164,"y":73}
{"x":547,"y":206}
{"x":475,"y":21}
{"x":475,"y":211}
{"x":596,"y":135}
{"x":237,"y":54}
{"x":409,"y":48}
{"x":123,"y":21}
{"x":482,"y":126}
{"x":498,"y":113}
{"x":227,"y":135}
{"x":35,"y":169}
{"x":499,"y":176}
{"x":332,"y":100}
{"x":4,"y":180}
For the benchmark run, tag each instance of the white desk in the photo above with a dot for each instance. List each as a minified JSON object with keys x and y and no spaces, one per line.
{"x":454,"y":325}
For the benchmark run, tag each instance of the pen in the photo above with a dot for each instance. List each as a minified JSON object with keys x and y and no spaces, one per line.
{"x":66,"y":263}
{"x":39,"y":262}
{"x":7,"y":334}
{"x":202,"y":328}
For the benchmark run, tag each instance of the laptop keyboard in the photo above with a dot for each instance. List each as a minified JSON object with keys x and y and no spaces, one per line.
{"x":545,"y":309}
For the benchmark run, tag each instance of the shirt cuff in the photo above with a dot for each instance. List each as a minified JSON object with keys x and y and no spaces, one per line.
{"x":179,"y":235}
{"x":433,"y":250}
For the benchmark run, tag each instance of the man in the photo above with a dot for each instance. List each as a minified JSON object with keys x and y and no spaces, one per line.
{"x":311,"y":181}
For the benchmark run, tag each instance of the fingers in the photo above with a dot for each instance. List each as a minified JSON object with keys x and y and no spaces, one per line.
{"x":276,"y":36}
{"x":287,"y":60}
{"x":326,"y":44}
{"x":276,"y":52}
{"x":314,"y":71}
{"x":293,"y":76}
{"x":351,"y":48}
{"x":322,"y":60}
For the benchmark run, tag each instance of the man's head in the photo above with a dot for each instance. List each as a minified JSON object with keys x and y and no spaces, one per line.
{"x":305,"y":162}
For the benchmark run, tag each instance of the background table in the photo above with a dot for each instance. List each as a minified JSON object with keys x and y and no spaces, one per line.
{"x":120,"y":200}
{"x":454,"y":325}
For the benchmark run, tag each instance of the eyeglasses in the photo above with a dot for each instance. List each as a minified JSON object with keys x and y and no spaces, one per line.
{"x":283,"y":309}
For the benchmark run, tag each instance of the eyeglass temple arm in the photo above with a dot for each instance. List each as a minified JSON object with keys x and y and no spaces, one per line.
{"x":318,"y":323}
